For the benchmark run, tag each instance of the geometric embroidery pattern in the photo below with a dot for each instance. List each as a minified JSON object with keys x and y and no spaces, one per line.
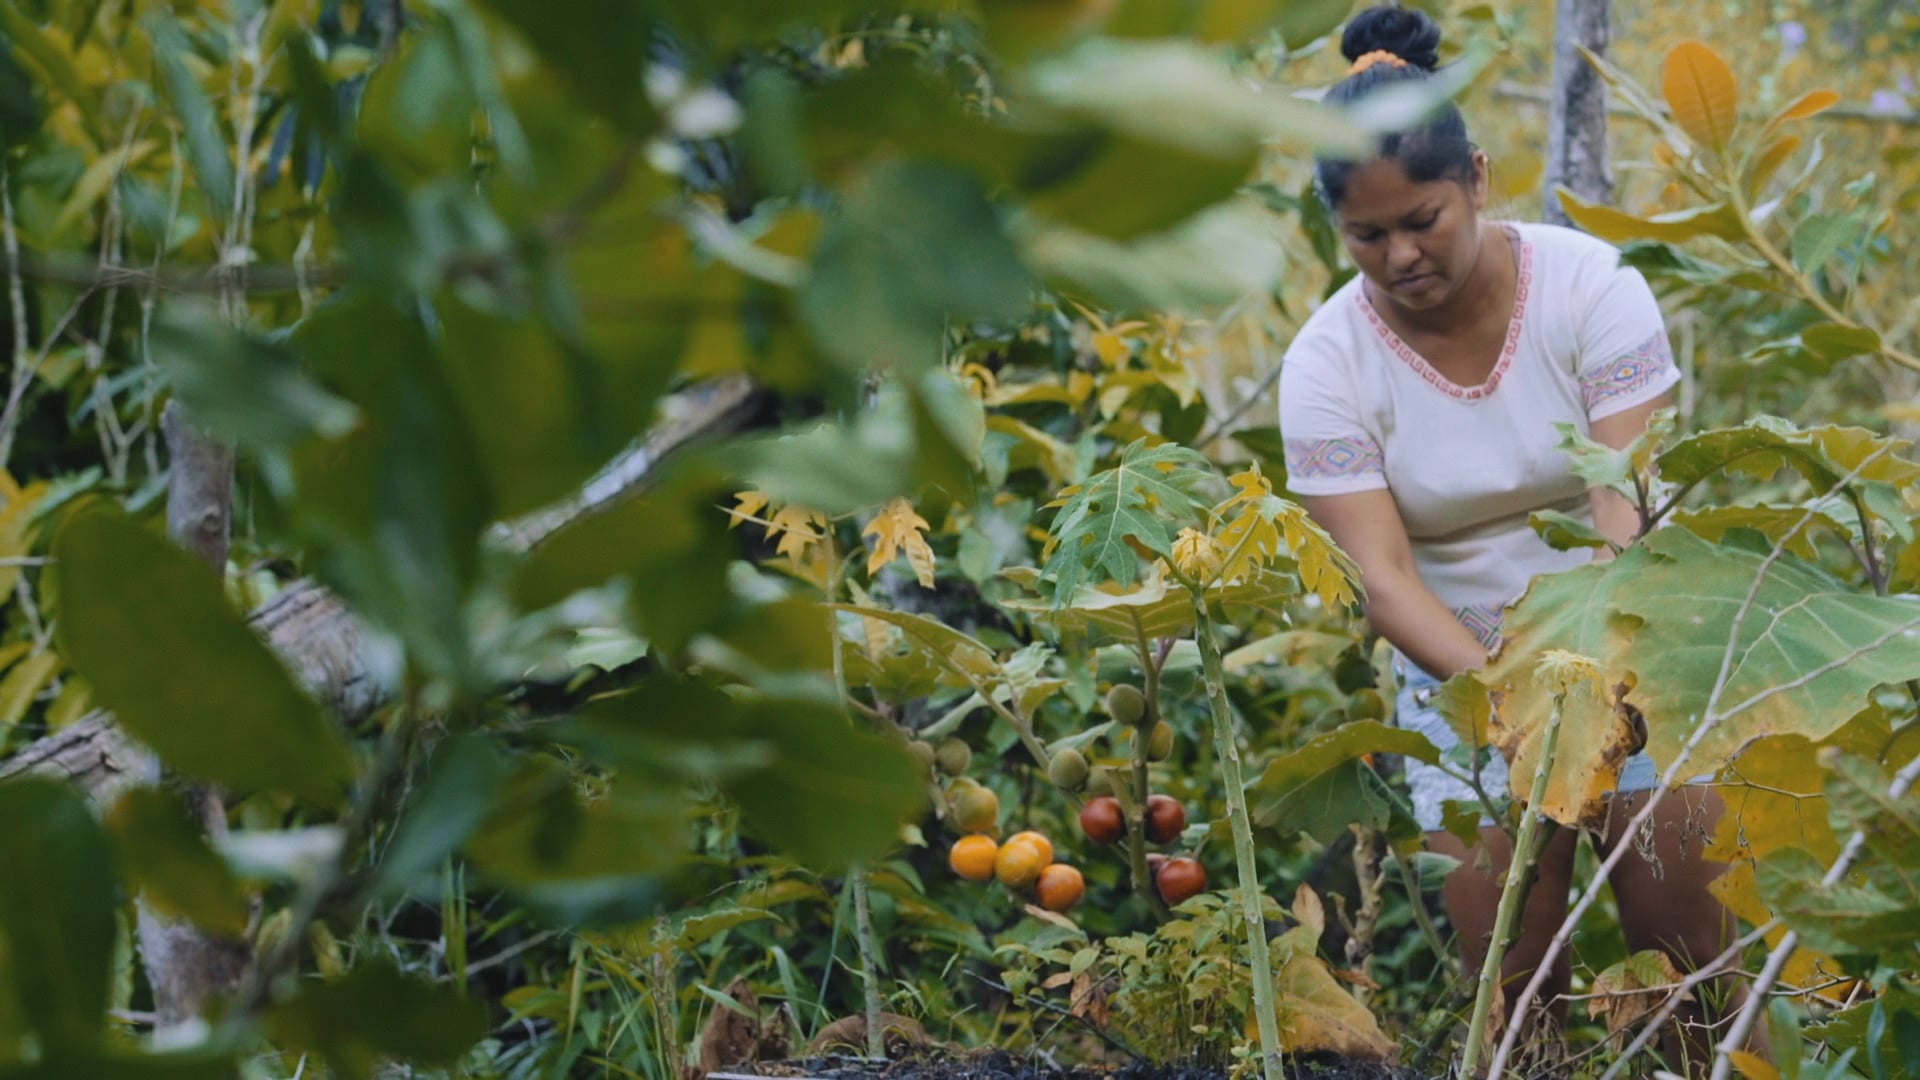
{"x":1333,"y":457}
{"x":1522,"y":289}
{"x":1627,"y":374}
{"x":1484,"y":622}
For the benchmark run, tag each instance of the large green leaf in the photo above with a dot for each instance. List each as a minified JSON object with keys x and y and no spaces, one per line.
{"x":913,"y":245}
{"x":1151,"y":491}
{"x":453,"y":797}
{"x":150,"y":628}
{"x":57,"y":902}
{"x":205,"y":145}
{"x":1824,"y":456}
{"x":1216,"y":256}
{"x":103,"y":1066}
{"x":244,"y":388}
{"x":1323,"y":787}
{"x":1807,"y":654}
{"x":20,"y":112}
{"x":393,"y":512}
{"x":374,"y":1013}
{"x":1798,"y":527}
{"x":598,"y":48}
{"x":162,"y":849}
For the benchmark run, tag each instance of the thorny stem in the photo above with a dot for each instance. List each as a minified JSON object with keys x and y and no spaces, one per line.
{"x":1903,"y":781}
{"x":857,"y":876}
{"x":1251,"y":911}
{"x":1371,"y":882}
{"x":1519,"y":872}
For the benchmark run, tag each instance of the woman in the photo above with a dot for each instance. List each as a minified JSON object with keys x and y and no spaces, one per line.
{"x":1418,"y":407}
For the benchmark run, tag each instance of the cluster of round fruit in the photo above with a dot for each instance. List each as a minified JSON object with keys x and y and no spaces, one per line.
{"x":1025,"y":861}
{"x":1175,"y":878}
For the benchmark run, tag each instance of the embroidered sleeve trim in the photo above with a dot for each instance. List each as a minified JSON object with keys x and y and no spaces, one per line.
{"x":1483,"y":620}
{"x":1334,"y":458}
{"x":1628,"y":374}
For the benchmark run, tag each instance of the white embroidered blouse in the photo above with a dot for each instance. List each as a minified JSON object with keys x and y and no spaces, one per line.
{"x":1360,"y":410}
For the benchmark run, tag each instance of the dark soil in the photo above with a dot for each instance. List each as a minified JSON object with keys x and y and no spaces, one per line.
{"x":1000,"y":1065}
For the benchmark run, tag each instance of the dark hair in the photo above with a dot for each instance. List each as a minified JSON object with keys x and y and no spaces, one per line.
{"x":1438,"y":147}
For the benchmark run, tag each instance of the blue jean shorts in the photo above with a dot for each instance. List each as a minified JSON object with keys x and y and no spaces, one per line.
{"x":1430,"y":787}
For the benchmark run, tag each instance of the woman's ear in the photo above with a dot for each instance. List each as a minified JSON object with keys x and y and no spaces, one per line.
{"x":1482,"y":172}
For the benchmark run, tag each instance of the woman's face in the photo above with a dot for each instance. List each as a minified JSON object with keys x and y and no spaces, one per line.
{"x":1415,"y":241}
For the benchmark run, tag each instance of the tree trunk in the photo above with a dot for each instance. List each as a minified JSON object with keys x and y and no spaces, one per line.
{"x":1577,"y":113}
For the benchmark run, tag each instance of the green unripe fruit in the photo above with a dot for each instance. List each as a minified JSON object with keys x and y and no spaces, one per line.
{"x":1068,"y":770}
{"x":1367,"y":704}
{"x":953,"y":756}
{"x":1160,"y":743}
{"x":976,"y":809}
{"x":922,"y":751}
{"x":1353,"y":673}
{"x":1127,"y":704}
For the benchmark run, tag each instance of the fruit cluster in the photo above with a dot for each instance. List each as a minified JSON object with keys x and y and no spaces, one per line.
{"x":1024,"y":862}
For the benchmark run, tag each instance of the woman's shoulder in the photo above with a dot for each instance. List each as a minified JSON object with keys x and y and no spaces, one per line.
{"x":1559,"y":245}
{"x":1328,"y":333}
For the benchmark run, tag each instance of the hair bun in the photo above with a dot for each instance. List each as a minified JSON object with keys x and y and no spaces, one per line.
{"x":1405,"y":32}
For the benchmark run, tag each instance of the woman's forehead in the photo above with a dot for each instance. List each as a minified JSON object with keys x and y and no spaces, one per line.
{"x":1381,"y":190}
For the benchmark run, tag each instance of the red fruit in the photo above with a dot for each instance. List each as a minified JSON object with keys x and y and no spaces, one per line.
{"x":1101,"y":820}
{"x":1165,"y":818}
{"x":1180,"y":879}
{"x":1155,"y":861}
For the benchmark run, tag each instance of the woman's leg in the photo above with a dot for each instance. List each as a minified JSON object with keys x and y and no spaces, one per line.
{"x":1472,"y":897}
{"x":1664,"y":903}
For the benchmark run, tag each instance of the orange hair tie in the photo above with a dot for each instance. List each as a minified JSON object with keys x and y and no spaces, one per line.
{"x":1377,"y":56}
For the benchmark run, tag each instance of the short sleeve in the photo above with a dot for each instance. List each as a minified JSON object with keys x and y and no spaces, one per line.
{"x":1329,"y":452}
{"x":1624,"y":357}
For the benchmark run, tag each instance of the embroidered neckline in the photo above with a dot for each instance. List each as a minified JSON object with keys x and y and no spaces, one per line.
{"x":1522,"y":287}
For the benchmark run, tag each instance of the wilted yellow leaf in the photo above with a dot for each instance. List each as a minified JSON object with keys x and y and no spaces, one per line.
{"x":1768,"y":162}
{"x":1701,"y":91}
{"x":797,"y":529}
{"x":1752,"y":1066}
{"x":1619,"y":227}
{"x":1807,"y":104}
{"x":1325,"y":570}
{"x":1195,"y":556}
{"x":898,"y":528}
{"x":1632,"y":988}
{"x":746,"y":506}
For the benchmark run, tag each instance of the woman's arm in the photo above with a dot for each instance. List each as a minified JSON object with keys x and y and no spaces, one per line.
{"x":1367,"y":526}
{"x":1613,"y":514}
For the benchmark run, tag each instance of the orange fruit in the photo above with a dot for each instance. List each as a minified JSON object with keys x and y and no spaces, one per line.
{"x":1180,"y":879}
{"x":972,"y":857}
{"x":1060,"y":887}
{"x":1019,"y":863}
{"x":1101,"y":820}
{"x":1045,"y":845}
{"x":1165,"y":818}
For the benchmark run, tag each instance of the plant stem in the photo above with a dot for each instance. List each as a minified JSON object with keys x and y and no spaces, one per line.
{"x":1142,"y":741}
{"x":869,"y":962}
{"x":1251,"y":911}
{"x":1519,"y":873}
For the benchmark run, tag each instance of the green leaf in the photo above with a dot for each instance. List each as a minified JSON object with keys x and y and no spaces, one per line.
{"x":1833,"y":341}
{"x":23,"y":684}
{"x":1822,"y":236}
{"x":1323,"y":786}
{"x":49,"y":60}
{"x":1565,"y":533}
{"x":597,"y":48}
{"x":206,"y":146}
{"x":150,"y":629}
{"x":100,"y":1066}
{"x":162,"y":849}
{"x":243,"y":388}
{"x":1151,"y":489}
{"x":1303,"y":22}
{"x":393,"y":512}
{"x":452,"y":799}
{"x":1798,"y":526}
{"x":57,"y":902}
{"x":913,"y":245}
{"x":1807,"y":655}
{"x":1840,"y":918}
{"x":1823,"y":456}
{"x":374,"y":1013}
{"x":1214,"y":257}
{"x":1603,"y":466}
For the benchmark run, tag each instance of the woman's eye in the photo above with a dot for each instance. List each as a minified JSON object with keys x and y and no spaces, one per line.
{"x":1366,"y":237}
{"x":1423,"y":226}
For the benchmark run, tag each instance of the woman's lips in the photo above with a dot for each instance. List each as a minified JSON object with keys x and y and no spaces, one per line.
{"x":1416,"y":283}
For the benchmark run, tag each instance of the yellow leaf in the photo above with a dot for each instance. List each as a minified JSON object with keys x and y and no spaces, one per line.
{"x":1701,"y":91}
{"x":1316,"y":1012}
{"x":1807,"y":104}
{"x":1632,"y":988}
{"x":894,"y":529}
{"x":1325,"y":570}
{"x":98,"y":178}
{"x":747,"y":506}
{"x":23,"y":684}
{"x":1752,"y":1066}
{"x":797,"y":528}
{"x":1616,"y":226}
{"x":1768,"y":162}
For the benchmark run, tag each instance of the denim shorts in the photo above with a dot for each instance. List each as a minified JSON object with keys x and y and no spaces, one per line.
{"x":1430,"y":787}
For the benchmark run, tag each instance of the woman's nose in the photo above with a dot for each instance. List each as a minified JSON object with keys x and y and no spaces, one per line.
{"x":1402,"y":252}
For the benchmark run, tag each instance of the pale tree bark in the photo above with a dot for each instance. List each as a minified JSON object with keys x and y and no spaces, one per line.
{"x":187,"y":966}
{"x":1577,"y":111}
